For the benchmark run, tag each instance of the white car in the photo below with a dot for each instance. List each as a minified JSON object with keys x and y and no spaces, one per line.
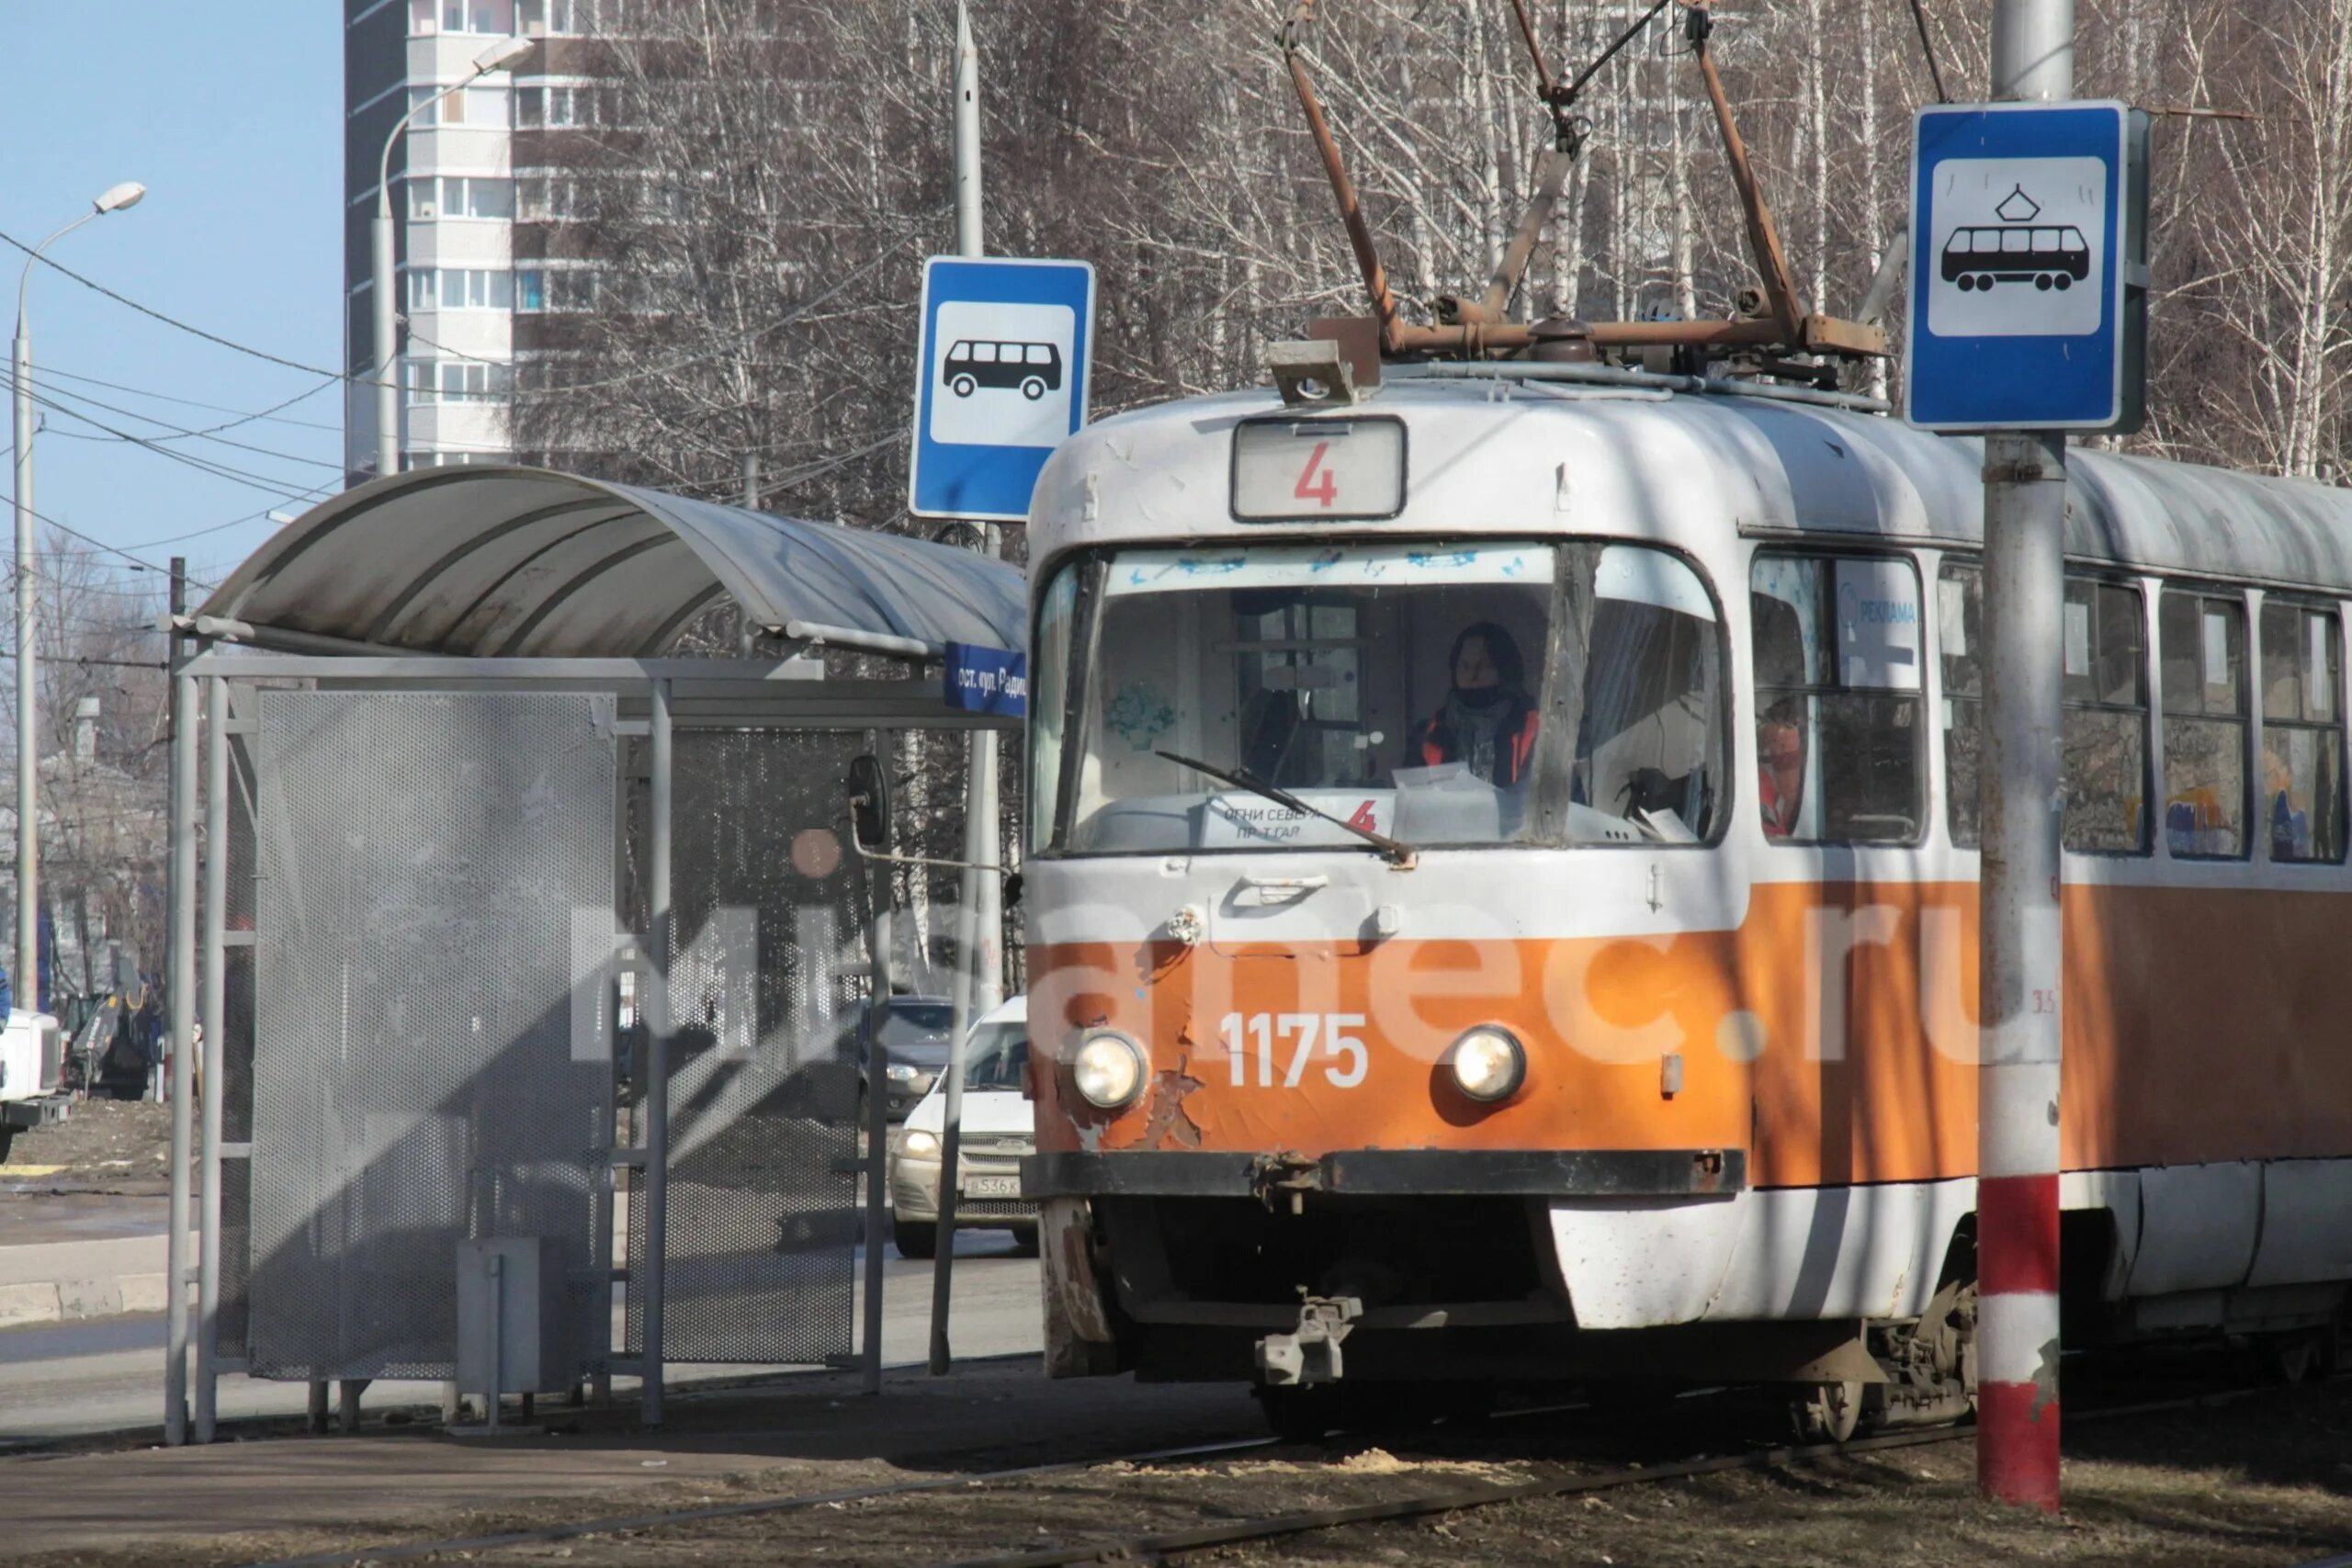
{"x":32,"y":1071}
{"x":998,"y":1127}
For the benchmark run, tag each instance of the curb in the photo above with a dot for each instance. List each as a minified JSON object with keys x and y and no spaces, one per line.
{"x":72,"y":1281}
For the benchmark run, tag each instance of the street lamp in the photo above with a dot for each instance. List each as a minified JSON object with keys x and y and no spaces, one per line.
{"x":114,"y":200}
{"x":497,"y":57}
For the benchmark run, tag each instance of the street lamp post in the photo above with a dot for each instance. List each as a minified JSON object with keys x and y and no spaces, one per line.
{"x":498,"y":57}
{"x":114,"y":200}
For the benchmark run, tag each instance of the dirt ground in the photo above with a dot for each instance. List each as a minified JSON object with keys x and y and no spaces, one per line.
{"x":2263,"y":1480}
{"x":104,"y":1146}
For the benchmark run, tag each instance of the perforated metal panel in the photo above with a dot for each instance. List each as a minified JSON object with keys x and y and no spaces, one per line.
{"x":768,"y":968}
{"x":414,"y":1081}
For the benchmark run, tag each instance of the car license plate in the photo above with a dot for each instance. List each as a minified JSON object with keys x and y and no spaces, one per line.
{"x":993,"y":1186}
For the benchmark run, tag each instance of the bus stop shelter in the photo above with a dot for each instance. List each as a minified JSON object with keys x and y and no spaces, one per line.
{"x":529,"y":939}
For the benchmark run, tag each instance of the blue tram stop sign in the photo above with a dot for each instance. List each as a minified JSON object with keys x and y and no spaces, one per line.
{"x":2029,"y":267}
{"x":1000,"y":379}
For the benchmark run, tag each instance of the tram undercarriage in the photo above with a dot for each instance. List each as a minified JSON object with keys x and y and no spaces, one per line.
{"x":1337,"y":1306}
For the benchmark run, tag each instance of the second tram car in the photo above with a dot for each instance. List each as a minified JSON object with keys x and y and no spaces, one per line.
{"x":1501,"y":895}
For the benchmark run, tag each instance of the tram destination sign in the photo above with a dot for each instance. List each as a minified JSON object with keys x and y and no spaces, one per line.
{"x":2029,"y":267}
{"x":1000,"y":380}
{"x":1331,"y":471}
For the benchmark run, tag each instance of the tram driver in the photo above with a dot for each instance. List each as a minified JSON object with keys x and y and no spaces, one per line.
{"x":1488,"y":720}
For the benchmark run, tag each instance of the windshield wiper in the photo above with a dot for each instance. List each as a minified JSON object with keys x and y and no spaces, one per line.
{"x":1397,"y":854}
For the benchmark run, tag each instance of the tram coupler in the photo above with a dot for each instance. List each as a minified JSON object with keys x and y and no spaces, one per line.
{"x":1311,"y":1353}
{"x":1285,"y":1177}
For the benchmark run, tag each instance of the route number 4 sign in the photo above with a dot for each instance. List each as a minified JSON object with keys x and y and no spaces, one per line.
{"x":1333,"y":469}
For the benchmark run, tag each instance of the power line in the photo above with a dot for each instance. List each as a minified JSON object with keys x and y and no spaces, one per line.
{"x":177,"y":432}
{"x":1927,"y":48}
{"x":285,"y":489}
{"x":801,"y":475}
{"x":62,"y":269}
{"x":101,"y":548}
{"x":209,"y":431}
{"x":271,"y":414}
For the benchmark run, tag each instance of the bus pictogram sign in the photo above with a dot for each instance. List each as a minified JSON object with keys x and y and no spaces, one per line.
{"x":1002,"y":381}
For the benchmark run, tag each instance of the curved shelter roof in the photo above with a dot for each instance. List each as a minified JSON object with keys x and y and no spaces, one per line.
{"x":496,"y":561}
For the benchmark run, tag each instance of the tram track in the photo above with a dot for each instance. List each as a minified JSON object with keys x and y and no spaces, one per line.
{"x":1157,"y":1547}
{"x":1167,"y":1540}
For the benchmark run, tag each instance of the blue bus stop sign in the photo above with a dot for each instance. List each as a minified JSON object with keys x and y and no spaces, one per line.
{"x":1000,"y":380}
{"x":2029,"y":267}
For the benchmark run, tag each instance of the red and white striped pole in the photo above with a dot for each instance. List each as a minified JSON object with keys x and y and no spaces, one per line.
{"x":2020,"y":970}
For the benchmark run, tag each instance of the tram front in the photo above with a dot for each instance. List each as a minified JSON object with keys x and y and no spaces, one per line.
{"x":1353,"y":767}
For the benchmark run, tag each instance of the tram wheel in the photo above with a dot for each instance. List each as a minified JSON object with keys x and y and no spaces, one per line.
{"x":2063,"y":283}
{"x":1967,"y":284}
{"x":1984,"y":280}
{"x":2042,"y":283}
{"x":1827,"y":1412}
{"x":2302,"y":1354}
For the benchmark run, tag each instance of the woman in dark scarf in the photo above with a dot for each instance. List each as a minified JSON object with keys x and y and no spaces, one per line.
{"x":1488,"y":720}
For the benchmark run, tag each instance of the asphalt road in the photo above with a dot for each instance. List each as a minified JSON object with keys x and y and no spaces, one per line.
{"x":108,"y":1375}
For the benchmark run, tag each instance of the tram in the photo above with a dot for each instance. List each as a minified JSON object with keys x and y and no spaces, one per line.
{"x":1501,"y":895}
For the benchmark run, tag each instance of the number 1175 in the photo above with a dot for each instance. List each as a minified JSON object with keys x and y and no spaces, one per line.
{"x":1272,"y":1038}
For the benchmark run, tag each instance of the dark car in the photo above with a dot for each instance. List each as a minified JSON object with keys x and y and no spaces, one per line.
{"x":915,"y":1031}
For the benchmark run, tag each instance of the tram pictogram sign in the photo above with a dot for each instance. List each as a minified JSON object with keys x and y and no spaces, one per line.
{"x":2029,"y":273}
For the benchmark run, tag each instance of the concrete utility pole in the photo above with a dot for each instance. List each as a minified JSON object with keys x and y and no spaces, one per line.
{"x":2021,"y":954}
{"x":115,"y":198}
{"x":979,"y":970}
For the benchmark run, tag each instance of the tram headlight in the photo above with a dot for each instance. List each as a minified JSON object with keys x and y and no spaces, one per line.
{"x":1488,"y":1064}
{"x":1109,"y":1071}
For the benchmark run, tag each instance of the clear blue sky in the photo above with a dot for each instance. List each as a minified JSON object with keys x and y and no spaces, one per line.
{"x":231,"y":112}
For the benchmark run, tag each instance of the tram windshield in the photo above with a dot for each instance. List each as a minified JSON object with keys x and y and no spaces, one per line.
{"x":1407,"y":689}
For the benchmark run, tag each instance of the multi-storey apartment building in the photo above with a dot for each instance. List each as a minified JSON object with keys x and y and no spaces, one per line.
{"x":480,"y":185}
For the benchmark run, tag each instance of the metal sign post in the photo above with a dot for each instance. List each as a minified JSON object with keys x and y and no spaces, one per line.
{"x":976,"y":982}
{"x":2028,"y":244}
{"x":1001,"y":379}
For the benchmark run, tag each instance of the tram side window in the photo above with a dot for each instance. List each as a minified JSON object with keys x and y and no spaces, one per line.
{"x":1651,"y":744}
{"x":1838,"y":655}
{"x":2302,"y":731}
{"x":1049,"y":703}
{"x":2202,"y":639}
{"x":2104,"y":742}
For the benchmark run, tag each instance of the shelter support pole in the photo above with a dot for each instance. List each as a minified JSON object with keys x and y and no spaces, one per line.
{"x":2021,"y":956}
{"x":980,"y":818}
{"x":316,"y":1424}
{"x":181,"y":980}
{"x":877,"y":1117}
{"x":657,"y":1061}
{"x":214,"y":1055}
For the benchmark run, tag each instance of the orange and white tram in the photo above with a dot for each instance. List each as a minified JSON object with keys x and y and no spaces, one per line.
{"x":1502,"y":894}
